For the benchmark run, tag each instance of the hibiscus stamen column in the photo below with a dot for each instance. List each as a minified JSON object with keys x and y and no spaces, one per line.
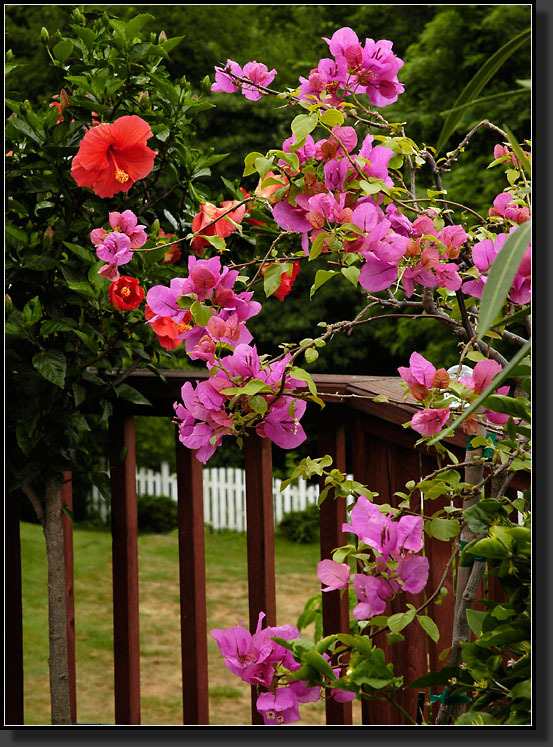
{"x":260,"y":538}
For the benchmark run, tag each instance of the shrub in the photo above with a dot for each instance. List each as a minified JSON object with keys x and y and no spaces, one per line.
{"x":301,"y":526}
{"x":157,"y":514}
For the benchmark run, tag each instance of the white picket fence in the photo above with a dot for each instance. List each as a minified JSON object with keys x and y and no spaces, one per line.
{"x":224,"y":495}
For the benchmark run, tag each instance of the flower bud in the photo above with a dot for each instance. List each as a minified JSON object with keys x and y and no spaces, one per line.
{"x":44,"y":35}
{"x":418,"y":391}
{"x":441,"y":379}
{"x":162,"y":37}
{"x":78,"y":17}
{"x":48,"y":237}
{"x":64,"y":99}
{"x":8,"y":304}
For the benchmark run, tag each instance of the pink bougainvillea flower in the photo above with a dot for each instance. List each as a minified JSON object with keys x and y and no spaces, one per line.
{"x":506,"y":206}
{"x":254,"y":657}
{"x":377,"y":275}
{"x":125,"y":222}
{"x":430,"y":422}
{"x":256,"y":73}
{"x":453,"y":237}
{"x":125,"y":294}
{"x":420,"y":376}
{"x":215,"y":221}
{"x":483,"y":374}
{"x":334,"y":575}
{"x":224,"y":83}
{"x":280,"y":707}
{"x":373,"y":594}
{"x":112,"y":157}
{"x":260,"y":76}
{"x":282,"y":427}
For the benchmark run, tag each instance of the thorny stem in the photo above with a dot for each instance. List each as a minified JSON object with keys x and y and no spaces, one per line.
{"x":453,"y":157}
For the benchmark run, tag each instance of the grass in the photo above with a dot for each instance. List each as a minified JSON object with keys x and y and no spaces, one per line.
{"x":161,"y":685}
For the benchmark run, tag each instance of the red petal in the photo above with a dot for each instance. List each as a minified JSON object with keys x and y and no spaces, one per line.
{"x":94,"y":147}
{"x":130,"y":130}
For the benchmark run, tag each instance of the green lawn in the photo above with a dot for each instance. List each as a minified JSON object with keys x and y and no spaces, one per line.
{"x":159,"y":623}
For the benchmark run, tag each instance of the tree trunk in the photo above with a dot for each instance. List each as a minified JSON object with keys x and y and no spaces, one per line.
{"x":467,"y":584}
{"x":57,"y":632}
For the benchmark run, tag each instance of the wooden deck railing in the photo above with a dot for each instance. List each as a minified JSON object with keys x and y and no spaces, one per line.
{"x":362,"y":436}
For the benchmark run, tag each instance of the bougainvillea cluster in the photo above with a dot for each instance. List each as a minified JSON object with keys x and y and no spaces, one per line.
{"x":336,"y":195}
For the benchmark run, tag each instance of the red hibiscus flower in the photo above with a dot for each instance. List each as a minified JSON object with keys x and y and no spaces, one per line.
{"x":173,"y":253}
{"x":209,"y":222}
{"x":167,"y":330}
{"x":112,"y":157}
{"x":125,"y":294}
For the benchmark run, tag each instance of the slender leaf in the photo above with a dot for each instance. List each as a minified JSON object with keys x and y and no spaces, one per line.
{"x":477,"y":83}
{"x":501,"y":276}
{"x":485,"y":100}
{"x":521,"y":158}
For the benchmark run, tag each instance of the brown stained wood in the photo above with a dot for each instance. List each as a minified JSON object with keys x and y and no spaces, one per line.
{"x":13,"y":625}
{"x":124,"y":528}
{"x":260,"y":539}
{"x":67,"y":525}
{"x":333,"y":514}
{"x":191,"y":536}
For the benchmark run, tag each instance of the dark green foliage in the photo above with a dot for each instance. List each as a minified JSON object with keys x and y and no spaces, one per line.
{"x":157,"y":514}
{"x":301,"y":526}
{"x":67,"y":348}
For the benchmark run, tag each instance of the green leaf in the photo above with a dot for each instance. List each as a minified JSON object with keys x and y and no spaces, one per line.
{"x":475,"y":618}
{"x":200,"y":313}
{"x":317,"y":246}
{"x":249,"y":163}
{"x":352,"y":274}
{"x":273,"y":277}
{"x":321,"y":277}
{"x":63,"y":49}
{"x":311,"y":355}
{"x":258,"y":404}
{"x":302,"y":126}
{"x":135,"y":25}
{"x":522,"y":690}
{"x":485,"y":100}
{"x":332,"y":118}
{"x":477,"y":83}
{"x":517,"y":407}
{"x":130,"y":394}
{"x":52,"y":365}
{"x":429,"y":626}
{"x":400,"y":620}
{"x":444,"y":529}
{"x":80,"y":251}
{"x":318,"y":662}
{"x":501,"y":275}
{"x":476,"y":718}
{"x":32,"y":311}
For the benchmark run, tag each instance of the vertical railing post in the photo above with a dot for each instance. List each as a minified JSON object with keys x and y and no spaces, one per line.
{"x":13,"y":664}
{"x":124,"y":529}
{"x":195,"y":695}
{"x":335,"y":606}
{"x":260,"y":537}
{"x":67,"y":527}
